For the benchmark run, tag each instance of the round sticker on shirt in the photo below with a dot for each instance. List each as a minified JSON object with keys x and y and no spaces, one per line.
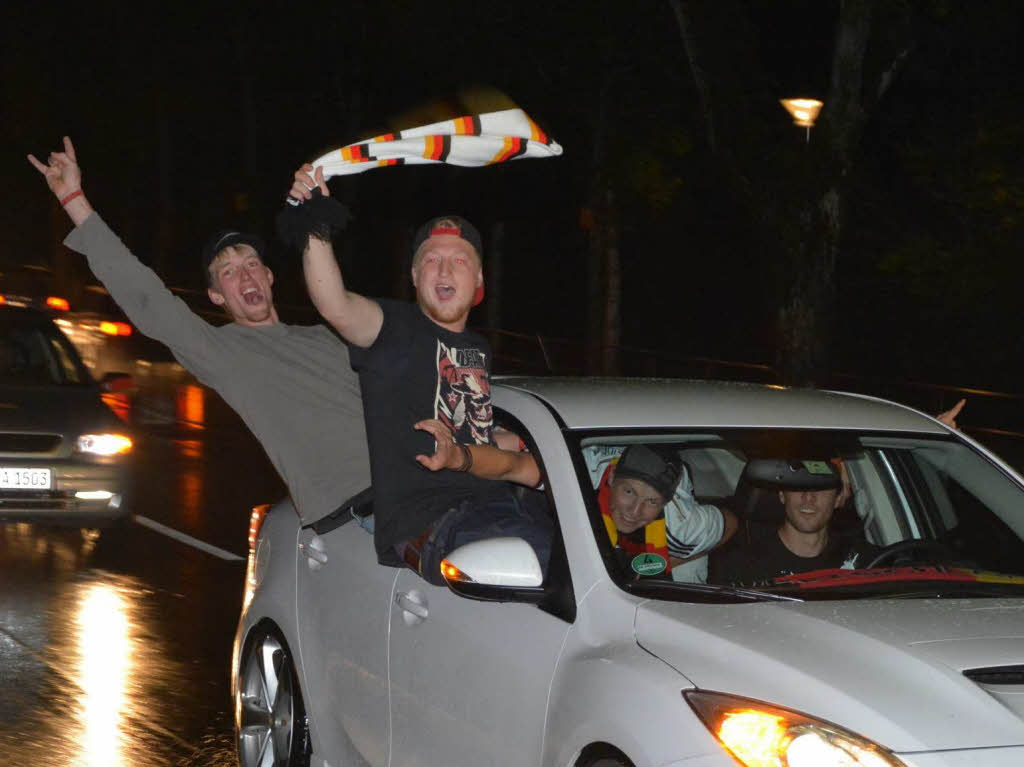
{"x":648,"y":564}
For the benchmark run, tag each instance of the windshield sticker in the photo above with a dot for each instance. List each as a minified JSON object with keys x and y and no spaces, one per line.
{"x":818,"y":467}
{"x":648,"y":564}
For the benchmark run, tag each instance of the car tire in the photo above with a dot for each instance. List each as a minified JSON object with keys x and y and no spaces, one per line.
{"x":610,"y":761}
{"x":271,"y":717}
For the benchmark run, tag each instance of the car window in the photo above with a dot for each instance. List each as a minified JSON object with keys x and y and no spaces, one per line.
{"x":36,"y":354}
{"x":817,"y":514}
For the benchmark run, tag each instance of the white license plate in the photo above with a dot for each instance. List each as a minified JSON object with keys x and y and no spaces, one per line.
{"x":13,"y":478}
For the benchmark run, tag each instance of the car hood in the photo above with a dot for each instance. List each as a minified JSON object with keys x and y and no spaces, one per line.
{"x":891,"y":670}
{"x":55,"y":409}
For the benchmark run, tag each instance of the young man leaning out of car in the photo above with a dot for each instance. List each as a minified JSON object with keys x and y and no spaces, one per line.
{"x":291,"y":384}
{"x":418,"y":361}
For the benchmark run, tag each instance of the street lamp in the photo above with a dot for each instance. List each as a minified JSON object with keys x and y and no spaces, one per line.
{"x":803,"y":111}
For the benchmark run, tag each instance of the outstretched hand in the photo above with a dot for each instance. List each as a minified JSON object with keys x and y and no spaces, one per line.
{"x":447,"y":454}
{"x":949,"y":417}
{"x":61,"y":170}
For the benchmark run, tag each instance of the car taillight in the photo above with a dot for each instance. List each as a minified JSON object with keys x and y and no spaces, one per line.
{"x":259,"y":513}
{"x":58,"y":303}
{"x":252,"y":575}
{"x":3,"y":300}
{"x":115,"y":328}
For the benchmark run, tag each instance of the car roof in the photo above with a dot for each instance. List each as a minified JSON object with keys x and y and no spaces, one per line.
{"x":25,"y":315}
{"x":595,"y":403}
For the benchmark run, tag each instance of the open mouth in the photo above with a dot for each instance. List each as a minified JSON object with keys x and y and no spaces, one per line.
{"x":444,"y":292}
{"x":252,"y":296}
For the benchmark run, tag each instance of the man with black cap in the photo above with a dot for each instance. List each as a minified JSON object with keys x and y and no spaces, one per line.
{"x":417,"y":362}
{"x":292,"y":385}
{"x":804,"y":541}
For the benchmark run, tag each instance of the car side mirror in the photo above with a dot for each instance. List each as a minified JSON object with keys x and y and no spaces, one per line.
{"x":495,"y":570}
{"x":117,"y":383}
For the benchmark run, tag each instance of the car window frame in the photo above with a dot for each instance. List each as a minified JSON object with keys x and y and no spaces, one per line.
{"x":560,"y":598}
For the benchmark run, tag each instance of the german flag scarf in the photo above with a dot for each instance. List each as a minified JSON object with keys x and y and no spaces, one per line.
{"x":471,"y":141}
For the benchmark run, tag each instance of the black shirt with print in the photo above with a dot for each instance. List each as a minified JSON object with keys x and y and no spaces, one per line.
{"x":416,"y":370}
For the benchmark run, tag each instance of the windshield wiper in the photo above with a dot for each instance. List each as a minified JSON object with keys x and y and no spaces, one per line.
{"x":644,"y":587}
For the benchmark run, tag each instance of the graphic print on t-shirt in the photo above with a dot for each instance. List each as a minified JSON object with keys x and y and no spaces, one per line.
{"x":463,"y":400}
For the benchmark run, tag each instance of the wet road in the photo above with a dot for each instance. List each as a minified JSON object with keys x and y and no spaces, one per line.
{"x":115,"y":644}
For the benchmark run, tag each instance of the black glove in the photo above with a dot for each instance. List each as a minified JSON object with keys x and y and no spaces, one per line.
{"x":318,"y":217}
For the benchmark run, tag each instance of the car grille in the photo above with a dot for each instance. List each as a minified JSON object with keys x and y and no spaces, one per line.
{"x":16,"y":442}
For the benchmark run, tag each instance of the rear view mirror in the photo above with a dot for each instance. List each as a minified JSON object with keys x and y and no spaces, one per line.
{"x":792,"y":474}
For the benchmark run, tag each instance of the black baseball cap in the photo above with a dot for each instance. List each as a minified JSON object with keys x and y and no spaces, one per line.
{"x":659,"y":468}
{"x":225,"y":238}
{"x":456,"y":225}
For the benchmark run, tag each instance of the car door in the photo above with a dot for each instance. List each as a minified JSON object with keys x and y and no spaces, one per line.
{"x":469,"y":679}
{"x":343,"y":613}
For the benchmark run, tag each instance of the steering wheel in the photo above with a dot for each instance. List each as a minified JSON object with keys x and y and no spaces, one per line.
{"x":895,"y":551}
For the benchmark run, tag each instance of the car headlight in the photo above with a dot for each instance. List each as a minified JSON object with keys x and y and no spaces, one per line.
{"x":103,"y":444}
{"x":761,"y":735}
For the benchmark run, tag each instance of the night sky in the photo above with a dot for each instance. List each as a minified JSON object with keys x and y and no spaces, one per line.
{"x":195,"y":118}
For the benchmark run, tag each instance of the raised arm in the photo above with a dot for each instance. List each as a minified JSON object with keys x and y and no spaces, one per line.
{"x":485,"y":461}
{"x":358,"y":319}
{"x":142,"y":295}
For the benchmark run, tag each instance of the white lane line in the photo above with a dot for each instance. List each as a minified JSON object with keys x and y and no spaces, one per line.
{"x":188,"y":540}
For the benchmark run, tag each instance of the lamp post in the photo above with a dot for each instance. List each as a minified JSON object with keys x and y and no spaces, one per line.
{"x":803,"y":111}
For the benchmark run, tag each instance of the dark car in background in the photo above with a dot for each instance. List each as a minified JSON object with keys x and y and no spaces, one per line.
{"x":64,"y":456}
{"x":107,"y":340}
{"x":33,"y":286}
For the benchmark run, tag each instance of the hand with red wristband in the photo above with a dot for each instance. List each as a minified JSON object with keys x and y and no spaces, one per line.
{"x":64,"y":177}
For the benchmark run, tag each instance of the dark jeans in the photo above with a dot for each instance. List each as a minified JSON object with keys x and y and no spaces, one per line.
{"x":519,"y":515}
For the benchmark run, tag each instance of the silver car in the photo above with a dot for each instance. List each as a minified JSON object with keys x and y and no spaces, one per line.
{"x":913,"y":655}
{"x":64,"y":456}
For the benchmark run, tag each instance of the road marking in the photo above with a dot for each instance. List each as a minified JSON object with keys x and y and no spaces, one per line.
{"x":188,"y":540}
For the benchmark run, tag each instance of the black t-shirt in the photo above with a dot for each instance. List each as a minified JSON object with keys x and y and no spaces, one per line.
{"x":767,"y":557}
{"x":413,"y":371}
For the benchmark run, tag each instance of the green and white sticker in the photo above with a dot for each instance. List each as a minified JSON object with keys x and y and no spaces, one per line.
{"x":648,"y":564}
{"x":818,"y":467}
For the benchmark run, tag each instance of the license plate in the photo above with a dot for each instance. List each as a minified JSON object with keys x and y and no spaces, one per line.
{"x":13,"y":478}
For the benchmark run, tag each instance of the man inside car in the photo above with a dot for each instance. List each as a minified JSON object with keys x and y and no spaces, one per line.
{"x":806,"y":539}
{"x":292,"y":385}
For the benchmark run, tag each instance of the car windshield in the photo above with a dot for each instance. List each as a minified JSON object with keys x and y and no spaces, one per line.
{"x":35,"y":353}
{"x":806,"y":514}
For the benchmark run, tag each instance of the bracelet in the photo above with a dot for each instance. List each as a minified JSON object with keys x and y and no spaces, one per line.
{"x":467,"y":459}
{"x":70,"y":197}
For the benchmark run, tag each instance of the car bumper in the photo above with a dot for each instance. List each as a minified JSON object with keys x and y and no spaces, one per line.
{"x":80,"y":493}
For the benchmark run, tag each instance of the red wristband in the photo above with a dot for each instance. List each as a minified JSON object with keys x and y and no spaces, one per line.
{"x":70,"y":197}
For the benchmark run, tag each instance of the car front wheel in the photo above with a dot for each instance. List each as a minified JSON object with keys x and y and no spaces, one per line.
{"x":271,"y":719}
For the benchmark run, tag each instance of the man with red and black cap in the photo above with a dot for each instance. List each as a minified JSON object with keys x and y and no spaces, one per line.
{"x":417,"y":361}
{"x":291,"y":384}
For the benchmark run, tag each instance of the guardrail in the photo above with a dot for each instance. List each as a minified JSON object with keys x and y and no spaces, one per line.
{"x":988,"y":412}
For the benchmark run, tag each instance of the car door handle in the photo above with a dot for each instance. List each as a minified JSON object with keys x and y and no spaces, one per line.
{"x":413,"y":603}
{"x":317,"y":555}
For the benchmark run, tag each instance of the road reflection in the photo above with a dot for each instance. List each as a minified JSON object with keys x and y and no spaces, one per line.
{"x":96,"y":667}
{"x":106,"y":655}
